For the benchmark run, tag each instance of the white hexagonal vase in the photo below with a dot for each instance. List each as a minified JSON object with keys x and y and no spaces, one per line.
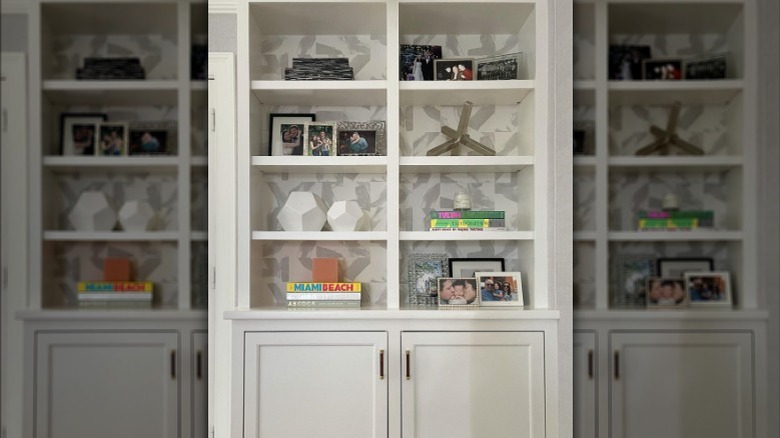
{"x":303,"y":211}
{"x":92,"y":212}
{"x":136,"y":216}
{"x":347,"y":216}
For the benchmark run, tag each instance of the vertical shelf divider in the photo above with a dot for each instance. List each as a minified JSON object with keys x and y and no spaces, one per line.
{"x":602,"y":156}
{"x":184,"y":250}
{"x":393,"y":151}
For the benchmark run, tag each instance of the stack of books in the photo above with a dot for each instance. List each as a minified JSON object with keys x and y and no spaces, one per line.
{"x":111,"y":68}
{"x":467,"y":220}
{"x":339,"y":295}
{"x":657,"y":220}
{"x":319,"y":69}
{"x":115,"y":293}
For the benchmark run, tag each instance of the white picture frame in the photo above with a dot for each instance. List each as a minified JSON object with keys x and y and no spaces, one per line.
{"x":709,"y":289}
{"x":499,"y":298}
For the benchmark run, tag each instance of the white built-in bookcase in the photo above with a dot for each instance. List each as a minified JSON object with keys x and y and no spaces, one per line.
{"x":160,"y":33}
{"x":401,"y":187}
{"x":611,"y":184}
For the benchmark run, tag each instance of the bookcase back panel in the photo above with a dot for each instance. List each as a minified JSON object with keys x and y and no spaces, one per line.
{"x":199,"y":120}
{"x":199,"y":200}
{"x":275,"y":263}
{"x":199,"y":280}
{"x":584,"y":42}
{"x":584,"y":216}
{"x":584,"y":275}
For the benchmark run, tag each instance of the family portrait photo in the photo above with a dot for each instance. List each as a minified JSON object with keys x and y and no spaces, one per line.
{"x":287,"y":133}
{"x":500,"y":288}
{"x":321,"y":139}
{"x":457,"y":292}
{"x":357,"y":142}
{"x":454,"y":69}
{"x":112,"y":139}
{"x":152,"y":138}
{"x":708,"y":289}
{"x":79,"y":133}
{"x":665,"y":293}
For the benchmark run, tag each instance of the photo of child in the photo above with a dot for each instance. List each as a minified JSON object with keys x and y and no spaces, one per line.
{"x":666,"y":292}
{"x":457,"y":291}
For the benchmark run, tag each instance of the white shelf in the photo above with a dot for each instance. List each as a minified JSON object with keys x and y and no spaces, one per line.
{"x":473,"y":164}
{"x":585,"y":162}
{"x":465,"y":235}
{"x":584,"y":93}
{"x":312,"y":165}
{"x":320,"y":235}
{"x":432,"y":93}
{"x":114,"y":93}
{"x":371,"y":312}
{"x":662,"y":236}
{"x":113,"y":236}
{"x":674,"y":163}
{"x":321,"y":93}
{"x":666,"y":92}
{"x":84,"y":163}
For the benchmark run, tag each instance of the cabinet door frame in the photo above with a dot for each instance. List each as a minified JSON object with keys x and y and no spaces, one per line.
{"x":587,"y":405}
{"x":743,"y":339}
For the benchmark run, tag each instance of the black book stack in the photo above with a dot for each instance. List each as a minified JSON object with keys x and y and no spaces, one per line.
{"x":319,"y":69}
{"x":111,"y":68}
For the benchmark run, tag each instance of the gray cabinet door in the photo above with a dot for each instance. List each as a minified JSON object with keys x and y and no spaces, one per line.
{"x":585,"y":387}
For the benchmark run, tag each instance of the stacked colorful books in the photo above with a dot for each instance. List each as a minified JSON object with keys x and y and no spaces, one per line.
{"x":115,"y":293}
{"x":657,"y":220}
{"x":467,"y":220}
{"x":314,"y":294}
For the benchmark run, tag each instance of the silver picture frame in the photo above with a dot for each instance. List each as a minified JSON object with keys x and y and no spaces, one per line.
{"x":423,"y":273}
{"x":373,"y":131}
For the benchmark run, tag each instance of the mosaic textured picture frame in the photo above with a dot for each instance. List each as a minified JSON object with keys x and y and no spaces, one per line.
{"x":424,"y":271}
{"x":631,"y":273}
{"x":377,"y":127}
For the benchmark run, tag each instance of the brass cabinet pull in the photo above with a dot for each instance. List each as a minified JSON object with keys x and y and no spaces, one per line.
{"x":617,"y":365}
{"x":199,"y":365}
{"x":590,"y":364}
{"x":408,"y":372}
{"x":173,"y":364}
{"x":381,"y":364}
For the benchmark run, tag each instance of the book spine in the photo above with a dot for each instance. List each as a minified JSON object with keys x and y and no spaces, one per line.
{"x":114,"y":286}
{"x":681,"y":214}
{"x":321,"y":303}
{"x":468,"y":229}
{"x":324,"y":287}
{"x":467,"y":223}
{"x":123,"y":304}
{"x":115,"y":296}
{"x":467,"y":214}
{"x":323,"y":296}
{"x":667,"y":224}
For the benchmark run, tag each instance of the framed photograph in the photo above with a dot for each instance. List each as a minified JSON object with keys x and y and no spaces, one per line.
{"x":152,"y":138}
{"x":79,"y":131}
{"x":423,"y":273}
{"x":662,"y":69}
{"x":320,"y":139}
{"x":632,"y":271}
{"x":708,"y":289}
{"x":467,"y":268}
{"x":361,"y":138}
{"x":112,"y":139}
{"x":704,"y":68}
{"x":457,"y":292}
{"x":625,"y":62}
{"x":500,"y":289}
{"x":499,"y":68}
{"x":666,"y":293}
{"x":678,"y":267}
{"x":286,"y":133}
{"x":455,"y":69}
{"x":416,"y":62}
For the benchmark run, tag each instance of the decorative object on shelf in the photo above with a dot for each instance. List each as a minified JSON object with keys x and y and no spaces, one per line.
{"x":303,"y":211}
{"x":454,"y":69}
{"x":583,"y":137}
{"x":111,"y":68}
{"x":678,"y":267}
{"x":136,"y":216}
{"x":117,"y":269}
{"x":319,"y":69}
{"x":461,"y":136}
{"x":466,"y":220}
{"x":667,"y":138}
{"x":675,"y":220}
{"x":705,"y":67}
{"x":709,"y":289}
{"x":347,"y":216}
{"x":115,"y":293}
{"x":325,"y":270}
{"x":670,"y":202}
{"x":666,"y":293}
{"x":632,"y":272}
{"x":112,"y":139}
{"x":457,"y":292}
{"x":417,"y":62}
{"x":500,"y":289}
{"x":152,"y":137}
{"x":662,"y":69}
{"x":499,"y":68}
{"x":92,"y":212}
{"x":321,"y":139}
{"x":423,"y":272}
{"x":468,"y":267}
{"x":361,"y":138}
{"x":79,"y":132}
{"x":286,"y":133}
{"x":462,"y":201}
{"x":335,"y":294}
{"x":625,"y":62}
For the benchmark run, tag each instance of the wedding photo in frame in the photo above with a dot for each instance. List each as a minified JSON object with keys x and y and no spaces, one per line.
{"x":458,"y":292}
{"x":361,"y":138}
{"x":468,"y":267}
{"x":286,"y":135}
{"x":500,"y":289}
{"x":709,"y":289}
{"x":79,"y":131}
{"x":320,"y":139}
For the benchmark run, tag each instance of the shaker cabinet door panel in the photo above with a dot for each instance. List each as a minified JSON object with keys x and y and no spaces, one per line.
{"x":585,"y":387}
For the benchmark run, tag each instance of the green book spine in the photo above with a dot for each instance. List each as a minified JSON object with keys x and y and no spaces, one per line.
{"x":467,"y":223}
{"x":679,"y":214}
{"x":668,"y":224}
{"x":467,"y":214}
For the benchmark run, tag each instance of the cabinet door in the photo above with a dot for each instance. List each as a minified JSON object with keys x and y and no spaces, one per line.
{"x":473,"y":384}
{"x":315,"y":384}
{"x":96,"y":385}
{"x":682,"y":385}
{"x":585,"y":387}
{"x":199,"y":384}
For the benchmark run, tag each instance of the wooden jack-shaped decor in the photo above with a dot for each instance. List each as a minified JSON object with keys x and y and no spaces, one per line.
{"x":665,"y":139}
{"x":461,"y":136}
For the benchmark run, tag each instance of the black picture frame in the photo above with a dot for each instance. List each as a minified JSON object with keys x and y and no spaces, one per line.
{"x":477,"y":265}
{"x":275,"y":122}
{"x":666,"y":266}
{"x":90,"y":118}
{"x":625,"y":61}
{"x":409,"y":53}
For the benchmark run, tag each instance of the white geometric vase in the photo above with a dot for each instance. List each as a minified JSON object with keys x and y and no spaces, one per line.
{"x":136,"y":216}
{"x":92,"y":212}
{"x":347,"y":216}
{"x":303,"y":211}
